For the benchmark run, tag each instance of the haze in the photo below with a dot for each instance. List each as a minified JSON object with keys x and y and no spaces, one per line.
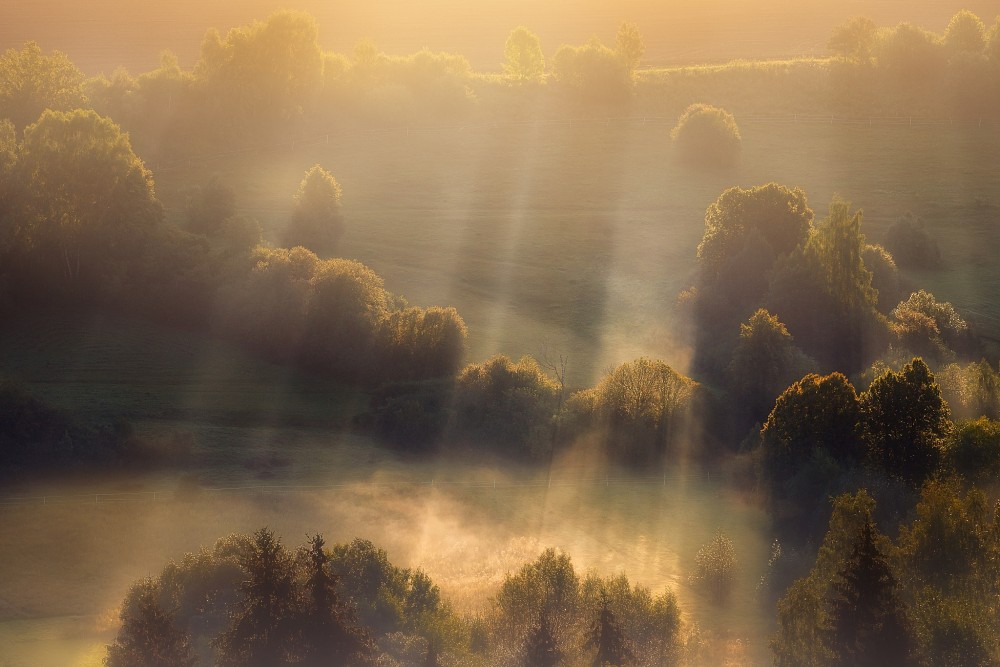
{"x":102,"y":35}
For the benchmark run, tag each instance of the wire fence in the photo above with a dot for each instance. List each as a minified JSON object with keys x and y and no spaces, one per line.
{"x":185,"y":493}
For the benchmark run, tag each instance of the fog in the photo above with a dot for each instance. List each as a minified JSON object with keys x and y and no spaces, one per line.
{"x":465,"y":523}
{"x":100,"y":36}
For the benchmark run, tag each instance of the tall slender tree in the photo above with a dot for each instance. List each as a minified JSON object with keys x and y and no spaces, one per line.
{"x":867,"y":623}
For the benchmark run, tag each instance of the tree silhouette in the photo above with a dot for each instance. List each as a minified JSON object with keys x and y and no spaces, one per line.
{"x":607,"y":636}
{"x":541,"y":649}
{"x":261,"y":631}
{"x":330,"y":633}
{"x":867,"y":623}
{"x":905,"y":420}
{"x":522,"y":56}
{"x":317,"y":222}
{"x":148,"y":636}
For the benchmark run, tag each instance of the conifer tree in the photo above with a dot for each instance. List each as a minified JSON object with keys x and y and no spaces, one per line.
{"x":541,"y":649}
{"x":609,"y":638}
{"x":867,"y":620}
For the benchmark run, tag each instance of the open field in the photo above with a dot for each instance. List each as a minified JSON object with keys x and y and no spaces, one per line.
{"x":576,"y":236}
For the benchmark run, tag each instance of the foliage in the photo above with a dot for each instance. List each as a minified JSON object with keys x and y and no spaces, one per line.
{"x":31,"y":82}
{"x":780,"y":215}
{"x":608,"y":639}
{"x":931,"y":327}
{"x":509,"y":405}
{"x":823,"y":292}
{"x":317,"y":222}
{"x":262,"y":630}
{"x":974,"y":449}
{"x":971,"y":391}
{"x":816,"y":413}
{"x":911,"y":245}
{"x":592,"y":72}
{"x":765,"y":361}
{"x":885,"y":275}
{"x":263,"y":72}
{"x":855,"y":40}
{"x":707,"y":136}
{"x":149,"y":637}
{"x":716,"y":567}
{"x":905,"y":421}
{"x":629,"y":46}
{"x":522,"y":56}
{"x":86,"y":207}
{"x":639,"y":405}
{"x":336,"y":315}
{"x":36,"y":436}
{"x":868,"y":623}
{"x":541,"y":649}
{"x":965,"y":33}
{"x":649,"y":626}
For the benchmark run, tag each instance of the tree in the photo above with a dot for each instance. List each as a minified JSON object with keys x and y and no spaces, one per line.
{"x":267,"y":71}
{"x":911,"y":244}
{"x":541,"y":649}
{"x":261,"y":631}
{"x":522,"y":56}
{"x":885,"y":275}
{"x":638,"y":403}
{"x":592,"y":72}
{"x":508,"y":404}
{"x":629,"y":45}
{"x":88,"y":205}
{"x":765,"y":361}
{"x":904,"y":422}
{"x":824,"y":293}
{"x":855,"y":40}
{"x":31,"y":82}
{"x":781,"y":215}
{"x":925,"y":325}
{"x":330,"y":633}
{"x":867,"y":623}
{"x":317,"y":222}
{"x":965,"y":34}
{"x":716,"y":567}
{"x":608,"y":638}
{"x":816,"y":413}
{"x":707,"y":136}
{"x":149,"y":637}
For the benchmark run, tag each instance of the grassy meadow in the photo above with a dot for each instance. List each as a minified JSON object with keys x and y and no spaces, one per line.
{"x":575,"y":236}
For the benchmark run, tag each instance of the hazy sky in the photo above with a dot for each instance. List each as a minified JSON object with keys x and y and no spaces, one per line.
{"x":102,"y":34}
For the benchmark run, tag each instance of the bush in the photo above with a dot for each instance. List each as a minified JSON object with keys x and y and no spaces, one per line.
{"x":910,"y":244}
{"x":707,"y":136}
{"x":717,"y":567}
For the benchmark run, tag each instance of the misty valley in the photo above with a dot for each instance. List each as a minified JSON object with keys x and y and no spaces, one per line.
{"x":315,"y":357}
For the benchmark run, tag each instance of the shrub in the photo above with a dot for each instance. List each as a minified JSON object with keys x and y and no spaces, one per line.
{"x":707,"y":136}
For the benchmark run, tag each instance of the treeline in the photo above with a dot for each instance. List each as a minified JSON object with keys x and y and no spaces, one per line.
{"x":908,"y":67}
{"x":927,"y":597}
{"x":639,"y":412}
{"x":81,"y":229}
{"x":250,"y":601}
{"x":272,"y":79}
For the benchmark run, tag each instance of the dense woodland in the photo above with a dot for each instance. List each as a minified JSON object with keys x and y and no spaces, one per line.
{"x":819,"y":371}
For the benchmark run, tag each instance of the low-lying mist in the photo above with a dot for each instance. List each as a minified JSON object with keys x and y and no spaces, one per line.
{"x":466,"y":524}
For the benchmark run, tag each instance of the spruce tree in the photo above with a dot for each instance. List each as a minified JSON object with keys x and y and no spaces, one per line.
{"x":541,"y":649}
{"x":868,"y":624}
{"x":607,"y":635}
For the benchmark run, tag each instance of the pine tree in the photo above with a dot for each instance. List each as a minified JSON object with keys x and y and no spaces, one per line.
{"x":331,"y":635}
{"x":607,"y":635}
{"x":541,"y":649}
{"x":261,"y":631}
{"x":868,"y":624}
